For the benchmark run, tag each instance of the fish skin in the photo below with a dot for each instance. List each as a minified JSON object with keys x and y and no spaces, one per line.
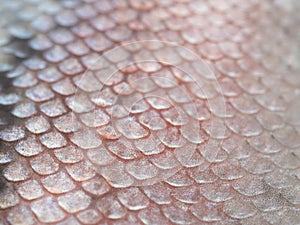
{"x":149,"y":112}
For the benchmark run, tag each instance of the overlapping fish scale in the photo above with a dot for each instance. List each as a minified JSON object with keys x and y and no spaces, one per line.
{"x":89,"y":216}
{"x":24,"y":109}
{"x":50,"y":165}
{"x":58,"y":183}
{"x":30,"y":190}
{"x":39,"y":93}
{"x":47,"y":214}
{"x":178,"y":214}
{"x":157,"y":216}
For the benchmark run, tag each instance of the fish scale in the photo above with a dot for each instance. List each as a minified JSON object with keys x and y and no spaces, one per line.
{"x":149,"y":112}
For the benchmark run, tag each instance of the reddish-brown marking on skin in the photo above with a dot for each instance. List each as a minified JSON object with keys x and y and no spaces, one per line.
{"x":108,"y":117}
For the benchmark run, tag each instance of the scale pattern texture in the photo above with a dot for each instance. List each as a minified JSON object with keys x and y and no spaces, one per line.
{"x":149,"y":112}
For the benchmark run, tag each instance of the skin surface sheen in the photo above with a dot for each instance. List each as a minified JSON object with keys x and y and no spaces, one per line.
{"x":154,"y":112}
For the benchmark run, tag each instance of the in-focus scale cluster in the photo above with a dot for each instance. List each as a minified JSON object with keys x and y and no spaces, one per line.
{"x":149,"y":112}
